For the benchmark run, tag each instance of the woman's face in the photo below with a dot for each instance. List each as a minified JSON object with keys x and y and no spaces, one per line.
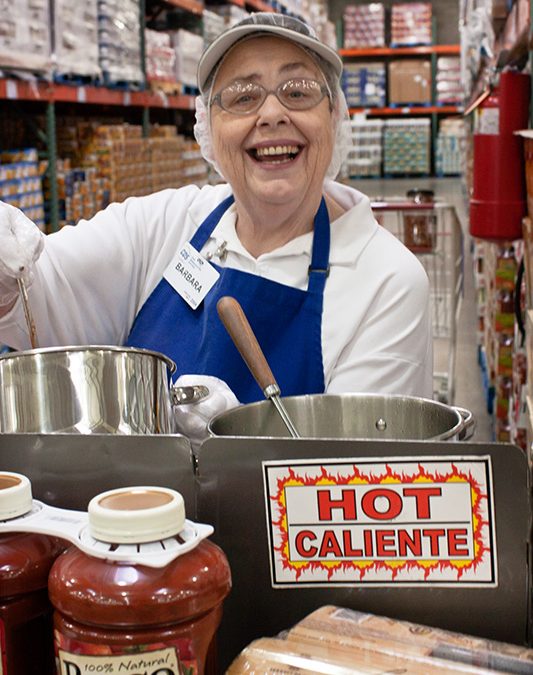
{"x":251,"y":150}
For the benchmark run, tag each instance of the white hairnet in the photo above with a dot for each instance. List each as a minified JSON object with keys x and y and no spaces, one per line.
{"x":340,"y":114}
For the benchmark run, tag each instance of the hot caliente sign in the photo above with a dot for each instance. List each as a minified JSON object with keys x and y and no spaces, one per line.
{"x":384,"y":522}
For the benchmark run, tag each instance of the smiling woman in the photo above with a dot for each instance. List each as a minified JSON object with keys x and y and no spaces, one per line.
{"x":337,"y":303}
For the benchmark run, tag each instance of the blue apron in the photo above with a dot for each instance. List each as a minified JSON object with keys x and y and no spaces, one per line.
{"x":286,"y":321}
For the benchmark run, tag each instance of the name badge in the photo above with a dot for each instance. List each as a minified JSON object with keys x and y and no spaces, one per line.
{"x":191,"y":276}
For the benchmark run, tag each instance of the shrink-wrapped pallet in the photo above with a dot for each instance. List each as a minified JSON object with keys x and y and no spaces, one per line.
{"x":25,"y":36}
{"x":75,"y":38}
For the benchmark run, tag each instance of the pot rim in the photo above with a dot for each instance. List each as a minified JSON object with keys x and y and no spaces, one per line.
{"x":86,"y":348}
{"x":449,"y":433}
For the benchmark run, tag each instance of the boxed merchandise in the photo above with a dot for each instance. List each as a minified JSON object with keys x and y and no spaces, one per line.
{"x":411,"y":24}
{"x":119,"y":43}
{"x":410,"y":81}
{"x":364,"y":85}
{"x":213,"y":25}
{"x":450,"y":147}
{"x":188,"y":48}
{"x":20,"y":183}
{"x":75,"y":43}
{"x":160,"y":57}
{"x":25,"y":36}
{"x":364,"y":26}
{"x":448,"y":86}
{"x":366,"y":151}
{"x":407,"y":146}
{"x":333,"y":639}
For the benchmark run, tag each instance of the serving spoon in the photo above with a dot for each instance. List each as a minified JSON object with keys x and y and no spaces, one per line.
{"x":27,"y":311}
{"x":235,"y":322}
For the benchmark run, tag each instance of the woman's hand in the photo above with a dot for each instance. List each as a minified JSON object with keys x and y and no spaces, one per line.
{"x":192,"y":419}
{"x":21,"y":243}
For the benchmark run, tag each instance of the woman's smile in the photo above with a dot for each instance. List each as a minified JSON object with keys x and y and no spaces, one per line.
{"x":272,"y":154}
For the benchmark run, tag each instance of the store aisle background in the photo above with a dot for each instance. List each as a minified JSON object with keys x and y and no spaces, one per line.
{"x":468,"y":380}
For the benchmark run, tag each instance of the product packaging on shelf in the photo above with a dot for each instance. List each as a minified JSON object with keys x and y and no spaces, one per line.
{"x":188,"y":48}
{"x":20,"y":183}
{"x":364,"y":85}
{"x":407,"y":146}
{"x":411,"y":24}
{"x":119,"y":42}
{"x":160,"y":57}
{"x":75,"y":44}
{"x":364,"y":26}
{"x":366,"y":151}
{"x":333,"y":639}
{"x":25,"y":36}
{"x":410,"y":81}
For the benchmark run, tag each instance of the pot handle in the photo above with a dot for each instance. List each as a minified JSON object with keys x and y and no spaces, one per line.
{"x":469,"y":424}
{"x":187,"y":395}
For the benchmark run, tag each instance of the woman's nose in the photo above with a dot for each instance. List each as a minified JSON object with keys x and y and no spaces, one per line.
{"x":272,"y":111}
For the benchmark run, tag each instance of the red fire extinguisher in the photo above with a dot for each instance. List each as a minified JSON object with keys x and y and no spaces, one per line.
{"x":498,"y":202}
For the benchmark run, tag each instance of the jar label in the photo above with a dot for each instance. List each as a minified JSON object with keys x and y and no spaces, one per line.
{"x":3,"y":665}
{"x":83,"y":658}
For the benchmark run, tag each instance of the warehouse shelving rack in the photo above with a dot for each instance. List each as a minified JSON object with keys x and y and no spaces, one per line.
{"x":50,"y":94}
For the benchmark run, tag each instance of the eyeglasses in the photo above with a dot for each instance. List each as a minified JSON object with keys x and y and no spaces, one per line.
{"x":244,"y":98}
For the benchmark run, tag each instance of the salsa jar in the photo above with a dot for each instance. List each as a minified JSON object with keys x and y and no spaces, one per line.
{"x":26,"y":637}
{"x":118,"y":617}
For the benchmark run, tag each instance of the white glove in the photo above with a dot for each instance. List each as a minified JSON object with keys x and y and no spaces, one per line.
{"x":192,"y":418}
{"x":21,"y":243}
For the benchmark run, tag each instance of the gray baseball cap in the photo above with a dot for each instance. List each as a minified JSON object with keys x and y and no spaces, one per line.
{"x":265,"y":23}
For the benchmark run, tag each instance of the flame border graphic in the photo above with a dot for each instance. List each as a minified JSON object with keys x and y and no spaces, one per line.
{"x":359,"y":477}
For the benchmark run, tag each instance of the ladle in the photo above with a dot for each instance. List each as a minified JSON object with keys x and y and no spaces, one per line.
{"x":27,"y":313}
{"x":235,"y":322}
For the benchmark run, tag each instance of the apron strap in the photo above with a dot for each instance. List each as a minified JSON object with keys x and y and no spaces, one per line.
{"x":203,"y":233}
{"x":319,"y":267}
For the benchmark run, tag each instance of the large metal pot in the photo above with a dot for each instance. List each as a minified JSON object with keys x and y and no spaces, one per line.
{"x":88,"y":390}
{"x":361,"y":416}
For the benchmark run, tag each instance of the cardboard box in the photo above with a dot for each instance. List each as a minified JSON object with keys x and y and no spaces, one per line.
{"x":410,"y":81}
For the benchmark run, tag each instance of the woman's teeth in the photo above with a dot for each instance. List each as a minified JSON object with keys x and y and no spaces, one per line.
{"x":276,"y":153}
{"x":278,"y":150}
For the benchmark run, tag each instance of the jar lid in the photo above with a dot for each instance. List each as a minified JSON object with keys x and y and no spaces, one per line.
{"x":15,"y":495}
{"x":135,"y":515}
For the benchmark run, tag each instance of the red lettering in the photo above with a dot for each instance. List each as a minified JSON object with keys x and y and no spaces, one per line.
{"x":412,"y":542}
{"x":384,"y":538}
{"x":326,"y":504}
{"x":368,"y":504}
{"x":348,"y":550}
{"x":299,"y":542}
{"x":456,"y":539}
{"x":330,"y":545}
{"x":422,"y":495}
{"x":369,"y":547}
{"x":433,"y":536}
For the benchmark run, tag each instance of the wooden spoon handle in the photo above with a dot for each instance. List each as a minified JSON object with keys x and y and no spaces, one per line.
{"x":232,"y":316}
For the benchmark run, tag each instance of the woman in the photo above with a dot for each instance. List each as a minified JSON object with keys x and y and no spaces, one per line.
{"x":338,"y":303}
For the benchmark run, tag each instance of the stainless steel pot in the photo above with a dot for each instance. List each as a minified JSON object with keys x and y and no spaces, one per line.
{"x":89,"y":390}
{"x":356,"y":416}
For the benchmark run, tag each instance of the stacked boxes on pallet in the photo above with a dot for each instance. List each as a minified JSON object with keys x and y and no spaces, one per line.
{"x":365,"y":155}
{"x":364,"y":85}
{"x":25,"y":36}
{"x":20,"y":183}
{"x":448,"y":87}
{"x":450,"y":149}
{"x":364,"y":25}
{"x":75,"y":39}
{"x":160,"y":57}
{"x":188,"y":48}
{"x":411,"y":24}
{"x":407,"y":146}
{"x":119,"y":43}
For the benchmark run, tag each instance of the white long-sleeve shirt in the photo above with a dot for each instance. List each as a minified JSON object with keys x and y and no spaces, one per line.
{"x":92,"y":279}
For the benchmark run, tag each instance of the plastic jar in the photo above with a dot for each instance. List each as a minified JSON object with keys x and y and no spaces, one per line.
{"x":26,"y":639}
{"x":120,"y":617}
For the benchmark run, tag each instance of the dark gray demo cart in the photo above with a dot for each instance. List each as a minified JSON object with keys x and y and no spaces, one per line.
{"x":430,"y":532}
